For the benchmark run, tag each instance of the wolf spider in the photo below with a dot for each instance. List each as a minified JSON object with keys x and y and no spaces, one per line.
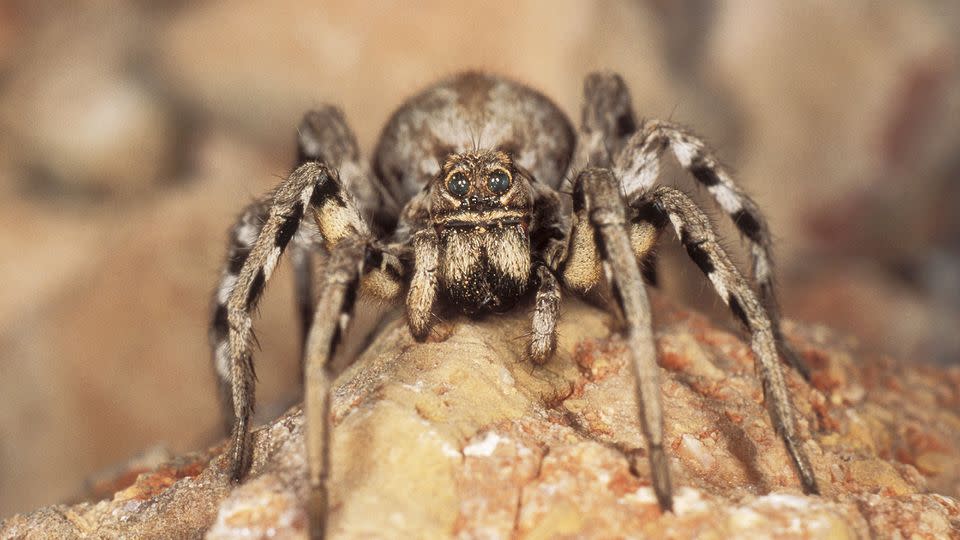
{"x":441,"y":220}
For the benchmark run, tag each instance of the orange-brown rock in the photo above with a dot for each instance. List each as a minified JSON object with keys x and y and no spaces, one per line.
{"x":459,"y":437}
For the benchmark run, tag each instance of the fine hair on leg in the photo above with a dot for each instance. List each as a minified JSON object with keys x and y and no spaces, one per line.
{"x":695,"y":232}
{"x":597,"y":197}
{"x":638,"y":167}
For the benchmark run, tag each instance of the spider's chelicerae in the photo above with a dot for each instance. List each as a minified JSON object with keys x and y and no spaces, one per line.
{"x":439,"y":220}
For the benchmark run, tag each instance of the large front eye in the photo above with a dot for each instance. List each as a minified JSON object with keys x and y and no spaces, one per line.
{"x":498,"y":182}
{"x":457,"y":185}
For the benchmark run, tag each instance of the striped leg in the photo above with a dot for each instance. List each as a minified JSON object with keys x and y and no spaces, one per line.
{"x":311,"y":188}
{"x":324,"y":136}
{"x":638,"y":167}
{"x":242,"y":237}
{"x":600,"y":208}
{"x":695,"y":232}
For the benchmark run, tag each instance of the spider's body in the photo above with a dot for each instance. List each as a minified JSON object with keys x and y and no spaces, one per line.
{"x":464,"y":210}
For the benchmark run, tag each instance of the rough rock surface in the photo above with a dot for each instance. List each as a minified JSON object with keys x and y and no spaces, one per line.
{"x":459,"y":437}
{"x":133,"y":132}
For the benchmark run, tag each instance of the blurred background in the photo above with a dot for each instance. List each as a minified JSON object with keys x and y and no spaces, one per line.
{"x":132,"y":132}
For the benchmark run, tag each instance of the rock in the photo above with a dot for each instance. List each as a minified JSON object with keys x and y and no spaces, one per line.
{"x":459,"y":437}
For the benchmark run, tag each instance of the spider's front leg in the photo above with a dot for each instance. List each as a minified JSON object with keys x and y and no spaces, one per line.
{"x":603,"y":239}
{"x":322,"y":136}
{"x":355,"y":266}
{"x":312,"y":188}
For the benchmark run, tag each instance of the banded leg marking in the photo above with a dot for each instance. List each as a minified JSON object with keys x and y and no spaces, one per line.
{"x":696,"y":233}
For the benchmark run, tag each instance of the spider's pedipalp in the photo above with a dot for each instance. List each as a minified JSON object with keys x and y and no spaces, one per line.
{"x":695,"y":232}
{"x":424,"y":284}
{"x":546,"y":313}
{"x":638,"y":167}
{"x":549,"y":244}
{"x":601,"y":209}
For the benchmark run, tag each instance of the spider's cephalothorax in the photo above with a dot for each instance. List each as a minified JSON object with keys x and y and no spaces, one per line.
{"x":480,"y":207}
{"x":464,"y":209}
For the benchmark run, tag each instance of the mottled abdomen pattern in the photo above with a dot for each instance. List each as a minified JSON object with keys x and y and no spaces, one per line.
{"x":467,"y":112}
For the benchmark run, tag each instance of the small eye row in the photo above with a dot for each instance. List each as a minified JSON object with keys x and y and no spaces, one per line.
{"x":498,"y":182}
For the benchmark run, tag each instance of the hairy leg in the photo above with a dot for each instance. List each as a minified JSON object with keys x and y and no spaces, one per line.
{"x":698,"y":238}
{"x":597,"y":201}
{"x":324,"y":136}
{"x":638,"y":167}
{"x":333,"y":312}
{"x":312,"y":188}
{"x":243,"y":235}
{"x":606,"y":120}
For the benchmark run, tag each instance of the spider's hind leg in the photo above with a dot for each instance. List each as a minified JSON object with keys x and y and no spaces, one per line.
{"x":607,"y":120}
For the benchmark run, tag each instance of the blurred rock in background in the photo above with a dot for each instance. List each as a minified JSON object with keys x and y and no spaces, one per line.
{"x":132,"y":132}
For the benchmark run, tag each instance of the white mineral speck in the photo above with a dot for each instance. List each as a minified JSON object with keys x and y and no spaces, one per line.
{"x":695,"y":449}
{"x":484,"y":447}
{"x":688,"y":500}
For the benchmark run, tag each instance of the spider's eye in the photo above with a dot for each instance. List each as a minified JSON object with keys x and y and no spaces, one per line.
{"x":498,"y":182}
{"x":457,"y":185}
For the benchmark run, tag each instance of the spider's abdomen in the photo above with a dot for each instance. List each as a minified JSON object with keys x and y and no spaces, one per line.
{"x":484,"y":269}
{"x":466,"y":112}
